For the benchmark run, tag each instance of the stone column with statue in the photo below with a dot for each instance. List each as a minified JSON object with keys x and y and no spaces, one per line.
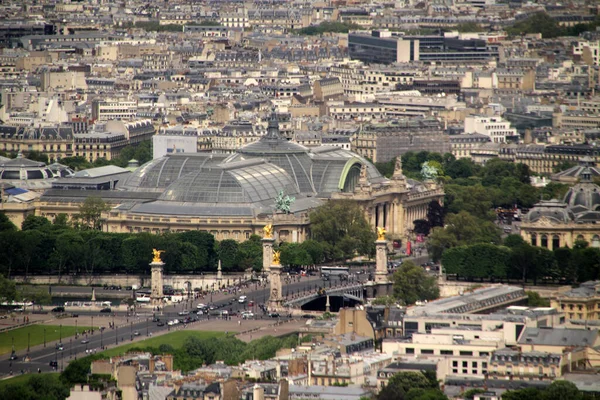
{"x":275,"y":298}
{"x":156,"y":285}
{"x":381,"y":257}
{"x":267,"y":241}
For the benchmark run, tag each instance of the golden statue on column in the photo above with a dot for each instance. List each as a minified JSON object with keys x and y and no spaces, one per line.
{"x":276,"y":258}
{"x":156,"y":254}
{"x":381,"y":233}
{"x":268,"y":231}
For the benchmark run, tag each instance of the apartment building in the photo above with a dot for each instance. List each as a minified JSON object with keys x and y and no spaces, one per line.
{"x":328,"y":89}
{"x":108,"y":139}
{"x":383,"y":142}
{"x":497,"y":129}
{"x":462,"y":145}
{"x":356,"y":111}
{"x":582,"y":303}
{"x":107,"y":109}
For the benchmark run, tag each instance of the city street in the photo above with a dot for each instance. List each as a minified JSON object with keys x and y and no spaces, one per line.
{"x":142,"y":323}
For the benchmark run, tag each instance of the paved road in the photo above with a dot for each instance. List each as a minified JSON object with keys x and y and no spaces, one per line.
{"x":73,"y":348}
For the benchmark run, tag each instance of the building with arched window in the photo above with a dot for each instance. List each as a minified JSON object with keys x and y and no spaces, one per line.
{"x":555,"y":223}
{"x":233,"y":196}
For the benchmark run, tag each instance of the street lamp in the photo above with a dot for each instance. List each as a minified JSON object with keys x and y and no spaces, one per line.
{"x":131,"y":331}
{"x":60,"y":333}
{"x":147,"y":334}
{"x":92,"y":324}
{"x":101,"y":339}
{"x":116,"y":334}
{"x":28,"y":340}
{"x":70,"y":348}
{"x":44,"y":337}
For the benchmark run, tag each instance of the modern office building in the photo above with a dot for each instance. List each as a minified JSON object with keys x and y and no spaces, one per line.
{"x":381,"y":47}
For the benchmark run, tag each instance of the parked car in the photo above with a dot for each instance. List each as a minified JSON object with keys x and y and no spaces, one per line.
{"x":160,"y":323}
{"x":106,"y":310}
{"x":274,"y":315}
{"x":54,"y":363}
{"x":136,"y":333}
{"x":58,"y":309}
{"x":247,"y":315}
{"x":85,"y":341}
{"x":59,"y":347}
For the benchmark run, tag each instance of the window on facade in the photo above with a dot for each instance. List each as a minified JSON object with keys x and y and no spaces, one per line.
{"x":466,"y":353}
{"x":410,"y":350}
{"x":426,"y":351}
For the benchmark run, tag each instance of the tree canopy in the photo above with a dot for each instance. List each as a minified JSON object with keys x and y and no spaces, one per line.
{"x":341,"y":227}
{"x":412,"y":284}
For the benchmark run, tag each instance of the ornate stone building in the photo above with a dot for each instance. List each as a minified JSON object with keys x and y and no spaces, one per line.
{"x":233,"y":196}
{"x":557,"y":223}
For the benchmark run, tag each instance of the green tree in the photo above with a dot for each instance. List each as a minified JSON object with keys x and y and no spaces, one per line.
{"x":537,"y":23}
{"x":523,"y":394}
{"x":137,"y":251}
{"x":78,"y":370}
{"x":36,"y":295}
{"x":37,"y":156}
{"x":6,"y":224}
{"x":469,"y":394}
{"x":401,"y":383}
{"x":205,"y":242}
{"x":563,"y":166}
{"x":425,"y":394}
{"x":314,"y":249}
{"x":535,"y":300}
{"x":90,"y":213}
{"x":76,"y":163}
{"x":61,"y":220}
{"x":250,"y":254}
{"x":8,"y":290}
{"x":35,"y":223}
{"x":561,"y":390}
{"x":227,"y":252}
{"x":422,"y":226}
{"x":411,"y":284}
{"x":469,"y":27}
{"x":37,"y":387}
{"x":435,"y":214}
{"x":342,"y":226}
{"x":294,"y":255}
{"x":461,"y":229}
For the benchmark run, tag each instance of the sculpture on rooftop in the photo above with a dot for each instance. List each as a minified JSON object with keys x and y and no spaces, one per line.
{"x":283,"y":202}
{"x":428,"y":171}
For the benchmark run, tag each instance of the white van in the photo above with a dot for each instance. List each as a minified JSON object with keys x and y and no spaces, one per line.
{"x":243,"y":299}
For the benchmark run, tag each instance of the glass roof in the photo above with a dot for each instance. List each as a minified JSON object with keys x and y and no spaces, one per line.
{"x":157,"y":174}
{"x":249,"y":183}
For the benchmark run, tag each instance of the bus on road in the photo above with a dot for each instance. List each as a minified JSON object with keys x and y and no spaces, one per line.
{"x":330,"y":272}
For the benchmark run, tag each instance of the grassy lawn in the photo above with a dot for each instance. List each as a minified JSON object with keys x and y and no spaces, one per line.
{"x":175,"y":339}
{"x":17,"y":379}
{"x":36,"y":333}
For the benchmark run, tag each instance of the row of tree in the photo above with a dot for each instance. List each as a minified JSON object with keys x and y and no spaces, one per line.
{"x":549,"y":28}
{"x":65,"y":247}
{"x":141,"y":152}
{"x":327,"y":27}
{"x":516,"y":259}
